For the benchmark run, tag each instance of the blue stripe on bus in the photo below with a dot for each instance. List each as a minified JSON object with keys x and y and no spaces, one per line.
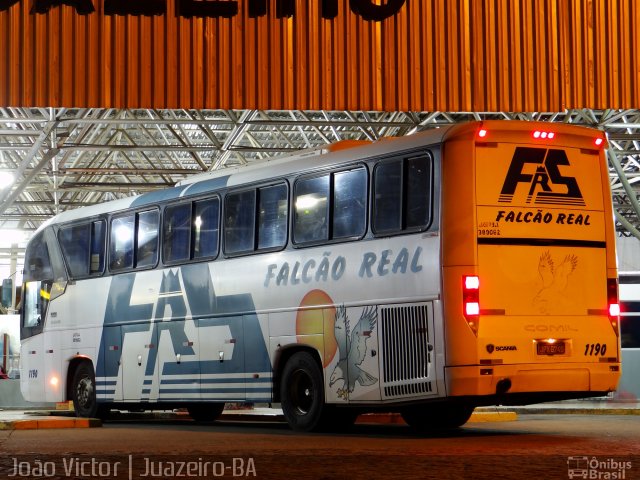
{"x":213,"y":390}
{"x":146,"y":391}
{"x":182,"y":381}
{"x":206,"y":185}
{"x":105,"y":392}
{"x":157,"y":196}
{"x":147,"y":382}
{"x":105,"y":382}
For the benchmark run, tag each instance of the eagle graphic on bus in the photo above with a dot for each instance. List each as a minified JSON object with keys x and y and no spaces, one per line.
{"x":352,"y":348}
{"x":554,"y":279}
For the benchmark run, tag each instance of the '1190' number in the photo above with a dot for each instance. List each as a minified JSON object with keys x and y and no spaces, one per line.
{"x":595,"y":349}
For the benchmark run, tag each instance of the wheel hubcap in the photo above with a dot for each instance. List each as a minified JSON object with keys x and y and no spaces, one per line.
{"x":302,"y":392}
{"x":84,"y":390}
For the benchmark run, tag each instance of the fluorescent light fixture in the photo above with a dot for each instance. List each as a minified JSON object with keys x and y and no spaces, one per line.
{"x":6,"y":179}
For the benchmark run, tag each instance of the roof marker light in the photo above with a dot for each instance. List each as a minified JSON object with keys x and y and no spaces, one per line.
{"x":544,"y":135}
{"x":598,"y":141}
{"x":482,"y":133}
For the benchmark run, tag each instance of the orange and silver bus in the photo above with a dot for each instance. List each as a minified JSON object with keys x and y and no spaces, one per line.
{"x":430,"y":274}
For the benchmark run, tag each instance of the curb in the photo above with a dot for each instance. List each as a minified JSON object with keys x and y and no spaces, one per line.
{"x":372,"y":418}
{"x":576,"y":411}
{"x":50,"y":423}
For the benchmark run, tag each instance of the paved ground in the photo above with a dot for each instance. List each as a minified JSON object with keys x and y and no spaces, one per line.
{"x":535,"y":446}
{"x":42,"y":418}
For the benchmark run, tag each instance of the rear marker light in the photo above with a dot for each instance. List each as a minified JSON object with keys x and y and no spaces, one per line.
{"x":471,"y":301}
{"x":614,"y":310}
{"x":472,"y":283}
{"x":614,"y":306}
{"x":482,"y":133}
{"x":472,"y":308}
{"x":598,"y":141}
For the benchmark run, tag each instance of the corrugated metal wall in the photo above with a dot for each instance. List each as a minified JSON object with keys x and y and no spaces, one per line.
{"x":447,"y":55}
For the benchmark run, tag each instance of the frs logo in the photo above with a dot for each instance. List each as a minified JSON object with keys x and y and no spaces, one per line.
{"x":546,"y":185}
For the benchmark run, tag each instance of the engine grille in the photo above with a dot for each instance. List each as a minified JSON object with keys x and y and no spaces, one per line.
{"x":406,"y":352}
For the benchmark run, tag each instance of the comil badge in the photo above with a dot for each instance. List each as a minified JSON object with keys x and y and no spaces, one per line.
{"x":547,"y":186}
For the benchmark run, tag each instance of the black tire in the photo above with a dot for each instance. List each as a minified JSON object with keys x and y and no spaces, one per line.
{"x":302,"y":393}
{"x":83,"y":393}
{"x":425,"y":418}
{"x":205,"y":412}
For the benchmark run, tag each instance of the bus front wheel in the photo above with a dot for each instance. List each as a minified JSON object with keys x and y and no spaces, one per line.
{"x":302,"y":392}
{"x":436,"y":416}
{"x":84,"y":392}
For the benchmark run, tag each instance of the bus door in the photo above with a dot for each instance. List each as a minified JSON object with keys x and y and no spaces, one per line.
{"x":542,"y":256}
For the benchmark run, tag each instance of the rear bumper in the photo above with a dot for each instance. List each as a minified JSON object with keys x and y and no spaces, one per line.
{"x":531,"y":378}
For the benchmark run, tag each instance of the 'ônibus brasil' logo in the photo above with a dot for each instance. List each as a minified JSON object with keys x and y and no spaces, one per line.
{"x":547,"y":185}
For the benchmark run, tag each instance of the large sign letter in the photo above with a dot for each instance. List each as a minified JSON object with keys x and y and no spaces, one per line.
{"x":370,"y":11}
{"x":5,"y":4}
{"x":284,"y":8}
{"x":203,"y":8}
{"x":137,"y":7}
{"x":329,"y":9}
{"x":83,"y":7}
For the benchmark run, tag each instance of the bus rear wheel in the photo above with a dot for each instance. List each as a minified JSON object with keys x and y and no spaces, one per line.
{"x":83,"y":392}
{"x":205,"y":412}
{"x":426,"y":418}
{"x":302,"y":393}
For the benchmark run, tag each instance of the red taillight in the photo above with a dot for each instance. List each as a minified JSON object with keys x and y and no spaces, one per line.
{"x":471,"y":301}
{"x":482,"y":133}
{"x":598,"y":141}
{"x":614,"y":306}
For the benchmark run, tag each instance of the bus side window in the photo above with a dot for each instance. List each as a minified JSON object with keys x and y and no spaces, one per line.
{"x":349,"y":203}
{"x":387,"y":202}
{"x":272,"y":212}
{"x":75,"y":241}
{"x":418,"y":192}
{"x":96,"y":260}
{"x":176,"y":233}
{"x":121,"y":244}
{"x":147,"y":238}
{"x":311,"y":203}
{"x":402,"y":194}
{"x":206,"y":226}
{"x":83,"y":248}
{"x":239,"y":222}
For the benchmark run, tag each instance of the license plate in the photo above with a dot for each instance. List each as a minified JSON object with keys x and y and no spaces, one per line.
{"x":557,"y":348}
